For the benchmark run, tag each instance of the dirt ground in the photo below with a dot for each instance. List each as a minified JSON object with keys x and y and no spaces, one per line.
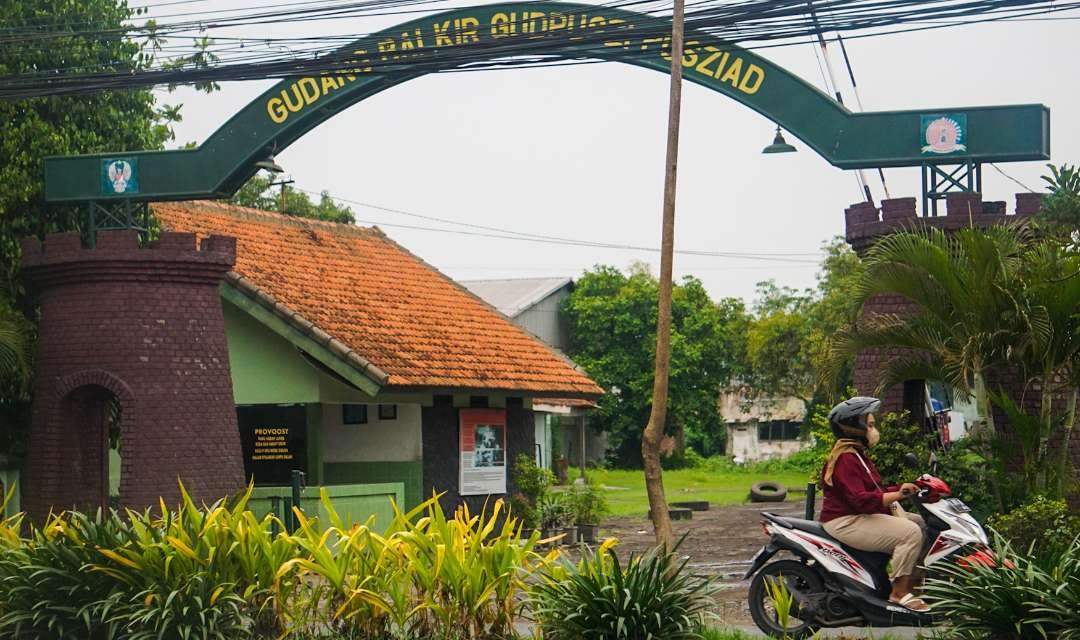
{"x":719,"y":542}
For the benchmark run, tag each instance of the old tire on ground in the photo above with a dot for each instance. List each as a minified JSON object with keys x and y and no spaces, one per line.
{"x":768,"y":492}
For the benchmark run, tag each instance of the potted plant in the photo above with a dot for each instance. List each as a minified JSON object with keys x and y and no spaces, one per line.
{"x":554,"y":514}
{"x":590,"y":507}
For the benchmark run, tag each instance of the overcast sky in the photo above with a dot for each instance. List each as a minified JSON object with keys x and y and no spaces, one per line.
{"x":578,"y":151}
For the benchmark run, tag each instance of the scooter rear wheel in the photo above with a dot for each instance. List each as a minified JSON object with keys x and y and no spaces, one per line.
{"x":797,"y":577}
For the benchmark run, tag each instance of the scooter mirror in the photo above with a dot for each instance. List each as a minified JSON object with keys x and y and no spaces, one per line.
{"x":911,"y":460}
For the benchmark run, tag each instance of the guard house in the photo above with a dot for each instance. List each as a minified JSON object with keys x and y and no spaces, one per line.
{"x":359,"y":364}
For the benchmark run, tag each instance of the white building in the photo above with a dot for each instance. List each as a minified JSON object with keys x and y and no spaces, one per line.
{"x":763,"y":428}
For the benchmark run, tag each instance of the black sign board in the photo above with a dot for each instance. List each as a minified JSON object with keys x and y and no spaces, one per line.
{"x":274,"y":439}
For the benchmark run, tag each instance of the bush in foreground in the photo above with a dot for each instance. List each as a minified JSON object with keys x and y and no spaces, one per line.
{"x":219,"y":572}
{"x":1021,"y":598}
{"x":653,"y":596}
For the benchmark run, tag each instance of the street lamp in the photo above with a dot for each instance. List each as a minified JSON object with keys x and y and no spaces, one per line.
{"x":779,"y":145}
{"x":270,"y":165}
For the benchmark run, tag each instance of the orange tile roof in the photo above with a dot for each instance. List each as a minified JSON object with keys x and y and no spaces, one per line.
{"x":573,"y":403}
{"x":391,"y":308}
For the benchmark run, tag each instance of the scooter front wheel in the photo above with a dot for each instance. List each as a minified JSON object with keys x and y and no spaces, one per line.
{"x":765,"y":609}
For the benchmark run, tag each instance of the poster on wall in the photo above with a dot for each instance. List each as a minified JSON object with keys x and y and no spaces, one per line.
{"x":482,"y":452}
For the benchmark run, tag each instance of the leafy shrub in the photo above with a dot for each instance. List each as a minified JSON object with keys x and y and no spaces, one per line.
{"x":976,"y":476}
{"x":220,"y":572}
{"x":588,"y":504}
{"x":653,"y":596}
{"x":47,"y":591}
{"x":1035,"y":598}
{"x":532,"y":481}
{"x":426,"y":576}
{"x":1039,"y":526}
{"x":555,"y":511}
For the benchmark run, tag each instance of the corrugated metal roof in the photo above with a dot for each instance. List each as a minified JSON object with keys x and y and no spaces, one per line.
{"x":514,"y":296}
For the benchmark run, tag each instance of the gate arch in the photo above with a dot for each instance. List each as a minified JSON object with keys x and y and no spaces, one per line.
{"x":294,"y":106}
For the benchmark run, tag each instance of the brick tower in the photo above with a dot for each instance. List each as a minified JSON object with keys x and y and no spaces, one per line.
{"x":866,"y":223}
{"x":135,"y":337}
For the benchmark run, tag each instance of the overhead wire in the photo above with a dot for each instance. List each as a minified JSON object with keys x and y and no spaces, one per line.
{"x":487,"y":231}
{"x":750,"y":22}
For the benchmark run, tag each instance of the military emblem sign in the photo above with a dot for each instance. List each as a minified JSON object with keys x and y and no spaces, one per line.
{"x":944,"y":133}
{"x":119,"y":176}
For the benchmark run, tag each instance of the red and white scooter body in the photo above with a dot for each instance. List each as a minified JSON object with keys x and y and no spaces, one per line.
{"x":963,"y":533}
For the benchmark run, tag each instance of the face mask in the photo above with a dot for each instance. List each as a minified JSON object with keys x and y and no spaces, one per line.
{"x":873,"y":436}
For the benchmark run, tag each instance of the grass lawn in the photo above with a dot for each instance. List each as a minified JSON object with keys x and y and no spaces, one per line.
{"x":625,"y":490}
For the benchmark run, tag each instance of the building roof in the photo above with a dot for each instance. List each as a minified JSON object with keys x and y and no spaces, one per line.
{"x":377,"y":306}
{"x":516,"y":295}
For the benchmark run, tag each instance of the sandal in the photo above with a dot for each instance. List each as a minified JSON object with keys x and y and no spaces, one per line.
{"x":913,"y":602}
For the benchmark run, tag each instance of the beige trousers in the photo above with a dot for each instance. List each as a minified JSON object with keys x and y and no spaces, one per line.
{"x":902,"y":537}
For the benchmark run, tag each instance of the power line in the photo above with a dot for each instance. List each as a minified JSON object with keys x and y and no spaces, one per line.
{"x":776,"y":22}
{"x":509,"y":234}
{"x":1002,"y":172}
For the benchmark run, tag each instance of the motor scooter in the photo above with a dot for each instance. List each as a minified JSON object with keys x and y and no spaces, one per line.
{"x":834,"y":585}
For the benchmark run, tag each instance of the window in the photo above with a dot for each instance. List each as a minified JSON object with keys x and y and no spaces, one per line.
{"x":354,"y":414}
{"x":776,"y":430}
{"x":387,"y":412}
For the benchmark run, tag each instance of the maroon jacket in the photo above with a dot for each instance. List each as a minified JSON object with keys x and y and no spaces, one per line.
{"x":853,"y":490}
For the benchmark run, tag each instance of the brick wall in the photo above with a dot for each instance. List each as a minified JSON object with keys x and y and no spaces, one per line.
{"x":143,"y":325}
{"x":865,"y":223}
{"x":441,"y":457}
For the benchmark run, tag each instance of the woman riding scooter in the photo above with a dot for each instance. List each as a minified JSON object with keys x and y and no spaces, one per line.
{"x":861,"y":513}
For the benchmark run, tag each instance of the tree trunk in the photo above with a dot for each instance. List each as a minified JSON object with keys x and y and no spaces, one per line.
{"x":654,"y":431}
{"x":1046,"y":429}
{"x":1063,"y":456}
{"x":987,"y":432}
{"x":982,"y":402}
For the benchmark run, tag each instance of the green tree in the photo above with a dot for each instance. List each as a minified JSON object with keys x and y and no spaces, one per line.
{"x":68,"y":34}
{"x":14,"y":345}
{"x":788,"y":337}
{"x":106,"y":121}
{"x":612,"y":319}
{"x":258,"y":193}
{"x":778,"y":346}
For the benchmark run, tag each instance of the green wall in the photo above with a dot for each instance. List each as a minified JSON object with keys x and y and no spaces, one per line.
{"x":266,"y":368}
{"x":410,"y":474}
{"x":354,"y":503}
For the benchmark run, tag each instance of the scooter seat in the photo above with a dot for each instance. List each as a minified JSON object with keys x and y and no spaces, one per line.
{"x":809,"y":526}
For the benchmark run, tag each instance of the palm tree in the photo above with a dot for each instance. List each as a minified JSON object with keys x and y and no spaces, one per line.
{"x":1000,"y":297}
{"x":14,"y":345}
{"x":962,"y":287}
{"x":1048,"y":353}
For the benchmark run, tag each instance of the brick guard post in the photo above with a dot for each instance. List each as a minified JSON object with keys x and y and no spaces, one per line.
{"x":141,"y":327}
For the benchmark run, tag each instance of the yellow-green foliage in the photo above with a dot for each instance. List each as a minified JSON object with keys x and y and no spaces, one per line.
{"x":218,"y":571}
{"x":426,"y":576}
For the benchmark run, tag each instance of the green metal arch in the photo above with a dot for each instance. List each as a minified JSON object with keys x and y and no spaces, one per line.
{"x":294,"y":106}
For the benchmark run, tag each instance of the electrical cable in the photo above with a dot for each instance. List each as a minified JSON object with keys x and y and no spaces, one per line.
{"x":770,"y":21}
{"x":1002,"y":172}
{"x":497,"y":232}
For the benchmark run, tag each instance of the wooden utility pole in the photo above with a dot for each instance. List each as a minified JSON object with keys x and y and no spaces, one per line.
{"x":654,"y":431}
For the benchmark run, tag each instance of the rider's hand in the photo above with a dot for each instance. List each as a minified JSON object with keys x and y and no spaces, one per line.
{"x":908,"y":489}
